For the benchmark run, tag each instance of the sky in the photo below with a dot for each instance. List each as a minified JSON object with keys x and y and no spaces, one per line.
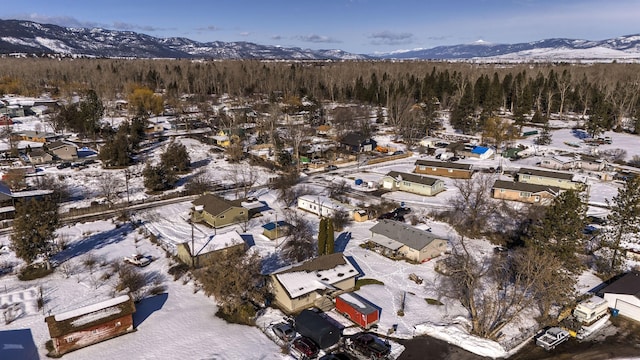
{"x":356,"y":26}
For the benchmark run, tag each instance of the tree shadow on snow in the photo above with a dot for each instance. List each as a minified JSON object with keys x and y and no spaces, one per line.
{"x":148,"y":306}
{"x":94,"y":241}
{"x":341,"y":241}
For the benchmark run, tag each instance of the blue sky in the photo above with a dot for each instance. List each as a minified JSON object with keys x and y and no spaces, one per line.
{"x":358,"y":26}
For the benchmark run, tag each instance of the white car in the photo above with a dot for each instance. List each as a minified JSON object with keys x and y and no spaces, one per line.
{"x":137,"y":260}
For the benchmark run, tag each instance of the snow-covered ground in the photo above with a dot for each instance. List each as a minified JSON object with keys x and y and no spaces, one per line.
{"x":180,"y":323}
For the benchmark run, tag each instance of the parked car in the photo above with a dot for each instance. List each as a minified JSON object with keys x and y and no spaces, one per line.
{"x":399,"y":152}
{"x":454,"y":158}
{"x":284,"y":331}
{"x":402,"y":211}
{"x":64,"y":165}
{"x":331,"y":167}
{"x":137,"y":260}
{"x":306,"y":347}
{"x":369,"y":345}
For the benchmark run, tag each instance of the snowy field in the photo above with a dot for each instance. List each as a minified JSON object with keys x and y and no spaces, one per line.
{"x":180,"y":323}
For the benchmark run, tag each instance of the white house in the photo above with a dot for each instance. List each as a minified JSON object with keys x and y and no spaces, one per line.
{"x":323,"y":206}
{"x":624,"y":295}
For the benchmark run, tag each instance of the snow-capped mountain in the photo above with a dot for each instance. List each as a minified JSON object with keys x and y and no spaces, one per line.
{"x":17,"y":36}
{"x":620,"y":48}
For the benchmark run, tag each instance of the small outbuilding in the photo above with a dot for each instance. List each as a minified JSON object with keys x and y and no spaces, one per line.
{"x":358,"y":309}
{"x":91,"y":324}
{"x":274,"y":230}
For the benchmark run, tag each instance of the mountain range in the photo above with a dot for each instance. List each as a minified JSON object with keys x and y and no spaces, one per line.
{"x":26,"y":37}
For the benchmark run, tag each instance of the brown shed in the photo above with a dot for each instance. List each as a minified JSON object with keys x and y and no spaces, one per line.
{"x":442,"y":168}
{"x":91,"y":324}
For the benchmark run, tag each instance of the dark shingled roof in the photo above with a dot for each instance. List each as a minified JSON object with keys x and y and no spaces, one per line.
{"x":215,"y":205}
{"x":628,"y":284}
{"x":418,"y":179}
{"x":324,"y":262}
{"x":545,"y":173}
{"x":443,"y":164}
{"x":532,"y":188}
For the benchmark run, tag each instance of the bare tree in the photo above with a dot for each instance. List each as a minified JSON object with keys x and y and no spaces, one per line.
{"x":495,"y":291}
{"x":244,"y":177}
{"x":473,"y":207}
{"x":299,"y":242}
{"x":109,"y":185}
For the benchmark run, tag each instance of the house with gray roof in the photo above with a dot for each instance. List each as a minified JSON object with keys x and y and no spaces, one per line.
{"x":412,"y":183}
{"x":523,"y":192}
{"x":396,"y":239}
{"x":563,"y":180}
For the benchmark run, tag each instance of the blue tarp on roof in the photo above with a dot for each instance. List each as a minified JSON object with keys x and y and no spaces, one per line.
{"x":479,"y":150}
{"x":272,"y":225}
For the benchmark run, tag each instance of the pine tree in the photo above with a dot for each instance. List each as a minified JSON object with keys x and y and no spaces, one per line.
{"x":322,"y":237}
{"x":623,"y":220}
{"x":559,"y":232}
{"x":545,"y":135}
{"x":34,"y":229}
{"x":176,"y":157}
{"x":330,"y":243}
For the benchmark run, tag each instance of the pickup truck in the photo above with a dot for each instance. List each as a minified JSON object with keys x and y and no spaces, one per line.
{"x":552,"y":337}
{"x":137,"y":260}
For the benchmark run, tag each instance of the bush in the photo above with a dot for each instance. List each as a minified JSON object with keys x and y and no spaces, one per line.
{"x":34,"y":271}
{"x":178,"y":270}
{"x":362,"y":282}
{"x":243,"y":314}
{"x":433,"y":302}
{"x":131,"y":279}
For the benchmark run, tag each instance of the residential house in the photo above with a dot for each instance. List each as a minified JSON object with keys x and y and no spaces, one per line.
{"x":360,"y":216}
{"x":323,"y":206}
{"x":482,"y":152}
{"x":523,"y":192}
{"x":442,"y":168}
{"x":38,"y":136}
{"x":591,"y":163}
{"x":91,"y":324}
{"x":302,"y":285}
{"x":563,"y":180}
{"x":412,"y":183}
{"x":398,"y":239}
{"x":205,"y":251}
{"x":558,"y":162}
{"x":218,"y":212}
{"x":357,"y":143}
{"x":623,"y":295}
{"x":429,"y":142}
{"x":325,"y":131}
{"x":274,"y":230}
{"x":39,"y":156}
{"x":63,"y":150}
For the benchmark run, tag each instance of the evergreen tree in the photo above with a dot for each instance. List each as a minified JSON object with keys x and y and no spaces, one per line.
{"x":176,"y":157}
{"x":330,"y":243}
{"x":559,"y":232}
{"x":623,"y":222}
{"x":322,"y":237}
{"x":545,"y":135}
{"x":34,"y":229}
{"x":158,"y":178}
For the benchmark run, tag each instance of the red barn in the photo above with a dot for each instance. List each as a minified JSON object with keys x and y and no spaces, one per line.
{"x":358,"y":309}
{"x":91,"y":324}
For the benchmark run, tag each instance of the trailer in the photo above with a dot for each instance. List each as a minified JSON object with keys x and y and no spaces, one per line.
{"x":358,"y":309}
{"x":552,"y":337}
{"x":590,"y":310}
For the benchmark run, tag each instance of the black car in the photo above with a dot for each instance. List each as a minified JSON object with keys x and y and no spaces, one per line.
{"x":402,"y":211}
{"x":64,"y":165}
{"x":369,"y":345}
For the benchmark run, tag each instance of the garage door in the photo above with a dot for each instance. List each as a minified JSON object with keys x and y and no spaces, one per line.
{"x":628,"y":310}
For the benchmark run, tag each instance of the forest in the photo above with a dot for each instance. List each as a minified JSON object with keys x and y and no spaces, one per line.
{"x":605,"y":95}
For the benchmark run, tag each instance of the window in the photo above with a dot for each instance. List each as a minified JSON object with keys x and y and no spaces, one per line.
{"x":525,"y":194}
{"x":241,"y":212}
{"x":434,"y":169}
{"x":450,"y":170}
{"x":69,"y":339}
{"x":422,"y":167}
{"x":118,"y":323}
{"x":221,"y":216}
{"x":536,"y":198}
{"x":502,"y":191}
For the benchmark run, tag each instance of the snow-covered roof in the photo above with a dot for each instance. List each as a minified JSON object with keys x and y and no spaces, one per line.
{"x":315,"y":274}
{"x":91,"y":308}
{"x":327,"y":202}
{"x":216,"y":242}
